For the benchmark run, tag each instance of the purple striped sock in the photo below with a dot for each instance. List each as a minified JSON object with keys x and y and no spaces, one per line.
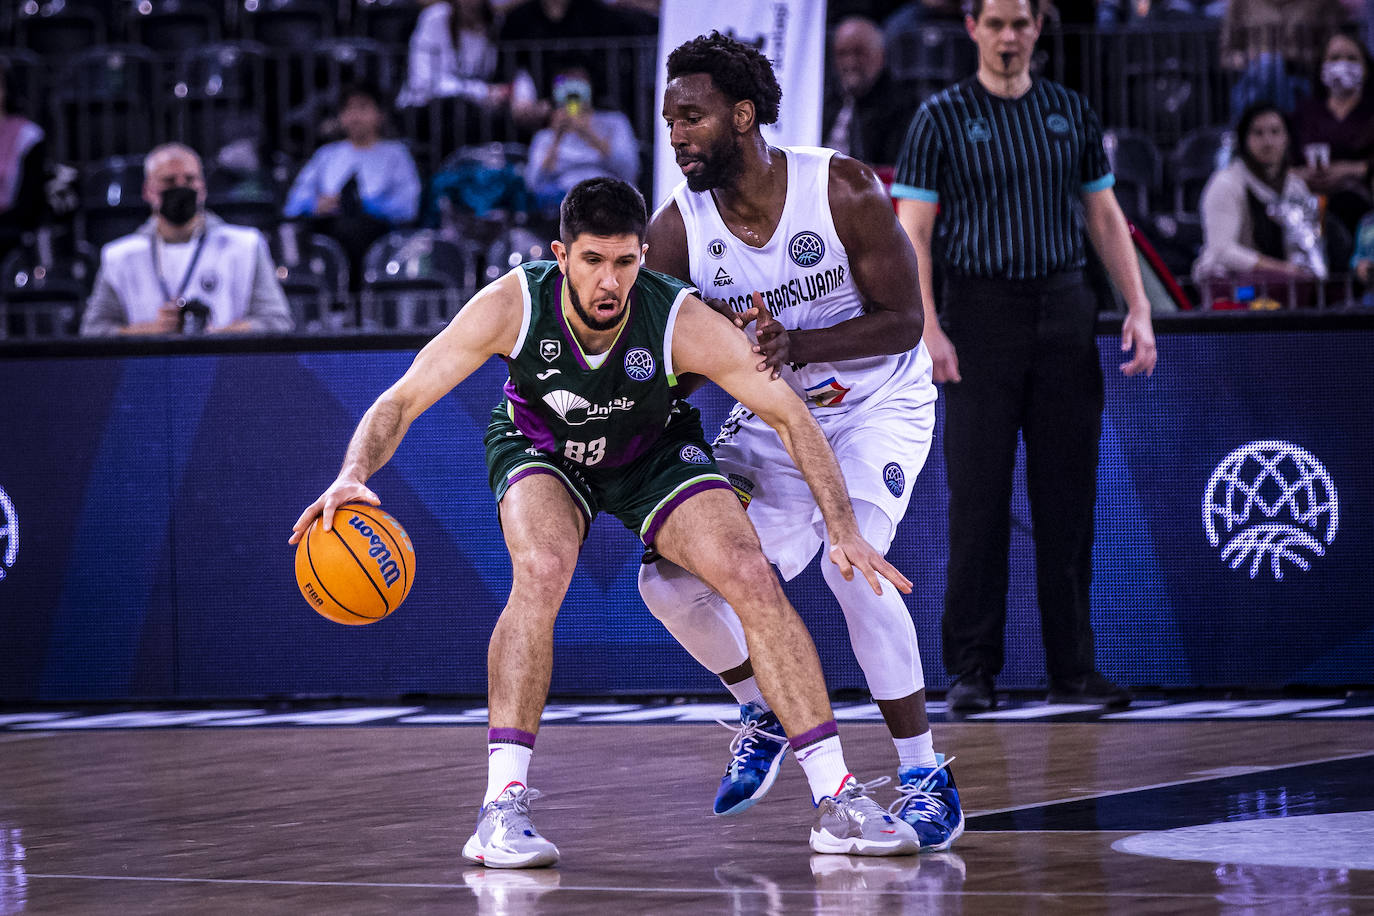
{"x":819,"y":733}
{"x":514,"y":736}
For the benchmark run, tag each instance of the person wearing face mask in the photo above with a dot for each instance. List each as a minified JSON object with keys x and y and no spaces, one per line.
{"x":580,"y":142}
{"x":184,"y":271}
{"x":1258,"y":216}
{"x":1335,"y":130}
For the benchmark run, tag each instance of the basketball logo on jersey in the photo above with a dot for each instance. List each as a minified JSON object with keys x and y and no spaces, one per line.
{"x":977,"y":130}
{"x":1057,"y":124}
{"x":1270,"y":499}
{"x":894,"y":478}
{"x":549,"y":349}
{"x":716,"y":248}
{"x":9,"y":533}
{"x":639,"y":364}
{"x":806,"y":248}
{"x":209,"y":280}
{"x":693,"y":455}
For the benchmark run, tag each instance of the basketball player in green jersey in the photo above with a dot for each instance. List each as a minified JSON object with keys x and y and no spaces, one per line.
{"x":595,"y":345}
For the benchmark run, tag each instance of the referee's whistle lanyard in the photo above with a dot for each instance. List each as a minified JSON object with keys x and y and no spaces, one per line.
{"x":180,"y":298}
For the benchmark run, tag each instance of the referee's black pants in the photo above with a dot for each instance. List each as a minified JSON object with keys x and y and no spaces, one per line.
{"x":1029,"y":362}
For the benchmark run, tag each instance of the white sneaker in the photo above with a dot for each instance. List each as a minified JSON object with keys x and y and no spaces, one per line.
{"x":853,"y":824}
{"x":505,"y":837}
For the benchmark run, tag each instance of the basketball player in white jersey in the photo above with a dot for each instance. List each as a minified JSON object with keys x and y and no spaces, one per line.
{"x":802,"y":242}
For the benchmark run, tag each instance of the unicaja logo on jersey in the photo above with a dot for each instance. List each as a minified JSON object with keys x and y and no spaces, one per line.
{"x":9,"y":533}
{"x":806,"y":249}
{"x":639,"y":364}
{"x":1270,"y":499}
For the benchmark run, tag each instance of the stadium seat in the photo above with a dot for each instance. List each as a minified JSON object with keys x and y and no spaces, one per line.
{"x":291,"y":24}
{"x":106,"y":103}
{"x":1191,"y":164}
{"x":171,"y":26}
{"x":313,"y":270}
{"x":43,"y":296}
{"x":1139,"y":171}
{"x":217,"y":99}
{"x":387,"y":21}
{"x":112,"y":202}
{"x":415,"y":280}
{"x":245,"y":197}
{"x":55,"y":30}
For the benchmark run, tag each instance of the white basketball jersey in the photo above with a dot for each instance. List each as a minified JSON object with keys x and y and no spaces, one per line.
{"x":804,"y":278}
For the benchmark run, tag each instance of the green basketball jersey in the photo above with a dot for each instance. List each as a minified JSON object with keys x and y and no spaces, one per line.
{"x":604,"y":416}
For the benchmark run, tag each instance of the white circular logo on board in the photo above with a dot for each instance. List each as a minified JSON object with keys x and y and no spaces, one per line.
{"x":1270,"y":500}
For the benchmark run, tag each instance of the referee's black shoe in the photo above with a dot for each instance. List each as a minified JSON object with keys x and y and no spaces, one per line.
{"x":971,"y":692}
{"x":1092,"y":688}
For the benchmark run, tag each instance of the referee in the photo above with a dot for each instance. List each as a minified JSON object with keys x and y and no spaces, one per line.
{"x":1015,"y":168}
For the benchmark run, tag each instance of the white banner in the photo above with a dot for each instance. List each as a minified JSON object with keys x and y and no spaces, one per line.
{"x":790,"y":33}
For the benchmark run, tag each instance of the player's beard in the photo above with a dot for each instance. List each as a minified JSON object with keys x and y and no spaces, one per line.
{"x":721,"y":164}
{"x":590,"y":320}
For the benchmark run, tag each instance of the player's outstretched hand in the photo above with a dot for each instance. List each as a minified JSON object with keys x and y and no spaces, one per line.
{"x":856,"y":553}
{"x":773,"y":343}
{"x":340,"y":491}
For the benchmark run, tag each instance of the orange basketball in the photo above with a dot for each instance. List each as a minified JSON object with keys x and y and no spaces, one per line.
{"x":358,"y":571}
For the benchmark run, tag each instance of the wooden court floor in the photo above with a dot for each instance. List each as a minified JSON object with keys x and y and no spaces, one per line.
{"x":371,"y":820}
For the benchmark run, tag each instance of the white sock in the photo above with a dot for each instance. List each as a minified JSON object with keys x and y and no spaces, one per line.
{"x":916,"y":752}
{"x":508,"y":760}
{"x":818,"y":751}
{"x":747,"y":691}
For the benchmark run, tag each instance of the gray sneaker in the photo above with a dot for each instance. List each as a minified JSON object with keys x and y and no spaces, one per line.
{"x":505,"y":837}
{"x":853,"y":824}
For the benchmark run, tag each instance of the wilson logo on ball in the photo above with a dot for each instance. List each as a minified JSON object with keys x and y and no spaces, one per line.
{"x":378,"y":551}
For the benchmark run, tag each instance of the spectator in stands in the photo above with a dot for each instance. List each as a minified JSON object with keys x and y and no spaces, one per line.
{"x":1258,"y":216}
{"x":866,"y":113}
{"x":22,"y":156}
{"x":184,"y":271}
{"x":1362,"y":261}
{"x":1114,"y":14}
{"x":452,"y":54}
{"x":1335,"y":130}
{"x":558,"y":21}
{"x":580,"y":142}
{"x":1275,"y":44}
{"x":361,"y":187}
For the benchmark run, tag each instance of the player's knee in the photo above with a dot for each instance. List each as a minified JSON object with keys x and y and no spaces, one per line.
{"x":752,"y":586}
{"x":543,"y":571}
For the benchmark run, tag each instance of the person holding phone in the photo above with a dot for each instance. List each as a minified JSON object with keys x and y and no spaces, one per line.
{"x":580,"y":142}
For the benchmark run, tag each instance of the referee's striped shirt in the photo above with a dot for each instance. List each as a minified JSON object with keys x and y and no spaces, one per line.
{"x":1007,"y":174}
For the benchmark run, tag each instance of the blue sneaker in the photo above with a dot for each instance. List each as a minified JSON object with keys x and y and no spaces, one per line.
{"x":757,"y":752}
{"x":929,"y":802}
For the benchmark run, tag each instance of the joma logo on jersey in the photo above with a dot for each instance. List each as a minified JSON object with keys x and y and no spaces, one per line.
{"x":575,"y":410}
{"x":377,"y":551}
{"x":9,"y":532}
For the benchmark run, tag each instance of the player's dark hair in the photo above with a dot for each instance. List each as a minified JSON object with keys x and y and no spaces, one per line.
{"x":974,"y":8}
{"x":602,"y":206}
{"x":738,"y":70}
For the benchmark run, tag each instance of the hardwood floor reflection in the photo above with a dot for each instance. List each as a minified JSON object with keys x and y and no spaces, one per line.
{"x":371,"y":820}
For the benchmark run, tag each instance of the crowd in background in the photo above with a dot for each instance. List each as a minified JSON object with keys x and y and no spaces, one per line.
{"x":446,"y":169}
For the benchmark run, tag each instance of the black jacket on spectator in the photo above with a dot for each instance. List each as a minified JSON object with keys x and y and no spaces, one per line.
{"x":881,"y":118}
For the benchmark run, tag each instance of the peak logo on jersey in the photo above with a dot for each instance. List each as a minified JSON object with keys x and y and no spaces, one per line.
{"x":550,"y":349}
{"x":693,"y":455}
{"x":827,"y":394}
{"x":639,"y":364}
{"x":806,"y":248}
{"x":575,"y":410}
{"x":894,"y":478}
{"x":723,"y":278}
{"x":977,"y":130}
{"x":1057,"y":124}
{"x":1270,"y":499}
{"x":716,"y":248}
{"x":9,"y":533}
